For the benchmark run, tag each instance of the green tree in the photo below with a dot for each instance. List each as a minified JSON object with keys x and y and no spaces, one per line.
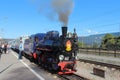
{"x":108,"y":41}
{"x":95,"y":45}
{"x":117,"y":43}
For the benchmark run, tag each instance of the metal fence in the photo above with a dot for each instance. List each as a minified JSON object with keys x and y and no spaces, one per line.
{"x":100,"y":52}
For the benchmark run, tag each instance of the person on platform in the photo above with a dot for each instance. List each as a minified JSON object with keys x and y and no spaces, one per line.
{"x":0,"y":51}
{"x":2,"y":48}
{"x":5,"y":48}
{"x":20,"y":48}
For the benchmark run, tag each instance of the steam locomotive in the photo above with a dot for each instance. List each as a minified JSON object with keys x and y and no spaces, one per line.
{"x":53,"y":52}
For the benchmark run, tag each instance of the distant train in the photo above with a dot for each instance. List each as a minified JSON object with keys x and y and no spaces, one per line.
{"x":53,"y":52}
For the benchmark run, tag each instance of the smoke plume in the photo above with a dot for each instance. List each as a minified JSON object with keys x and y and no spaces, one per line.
{"x":57,"y":10}
{"x":63,"y":8}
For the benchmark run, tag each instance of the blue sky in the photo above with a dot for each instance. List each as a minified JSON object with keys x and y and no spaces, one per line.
{"x":22,"y":17}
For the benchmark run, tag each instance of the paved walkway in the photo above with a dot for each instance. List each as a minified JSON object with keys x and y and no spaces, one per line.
{"x":13,"y":69}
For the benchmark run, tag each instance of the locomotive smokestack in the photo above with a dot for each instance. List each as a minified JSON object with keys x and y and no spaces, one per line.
{"x":64,"y":31}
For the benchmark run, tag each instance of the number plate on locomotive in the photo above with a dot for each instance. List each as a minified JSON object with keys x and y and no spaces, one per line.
{"x":66,"y":58}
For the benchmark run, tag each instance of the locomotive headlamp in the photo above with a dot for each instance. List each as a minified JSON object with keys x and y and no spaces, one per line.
{"x":61,"y":57}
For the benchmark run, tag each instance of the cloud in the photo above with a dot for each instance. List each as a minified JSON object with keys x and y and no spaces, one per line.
{"x":89,"y":31}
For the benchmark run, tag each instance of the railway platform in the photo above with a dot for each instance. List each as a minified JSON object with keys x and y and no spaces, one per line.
{"x":13,"y":69}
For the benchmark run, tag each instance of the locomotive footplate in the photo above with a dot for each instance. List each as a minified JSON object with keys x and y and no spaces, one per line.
{"x":67,"y":67}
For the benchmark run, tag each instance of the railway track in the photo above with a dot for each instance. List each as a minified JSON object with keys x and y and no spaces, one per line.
{"x":71,"y":77}
{"x":101,"y":63}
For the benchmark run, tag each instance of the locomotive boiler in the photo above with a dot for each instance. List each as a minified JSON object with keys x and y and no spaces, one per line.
{"x":58,"y":53}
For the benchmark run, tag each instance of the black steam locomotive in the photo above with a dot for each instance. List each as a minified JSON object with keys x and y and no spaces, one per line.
{"x":58,"y":52}
{"x":52,"y":51}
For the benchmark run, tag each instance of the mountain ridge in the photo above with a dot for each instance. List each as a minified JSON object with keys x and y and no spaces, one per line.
{"x":91,"y":39}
